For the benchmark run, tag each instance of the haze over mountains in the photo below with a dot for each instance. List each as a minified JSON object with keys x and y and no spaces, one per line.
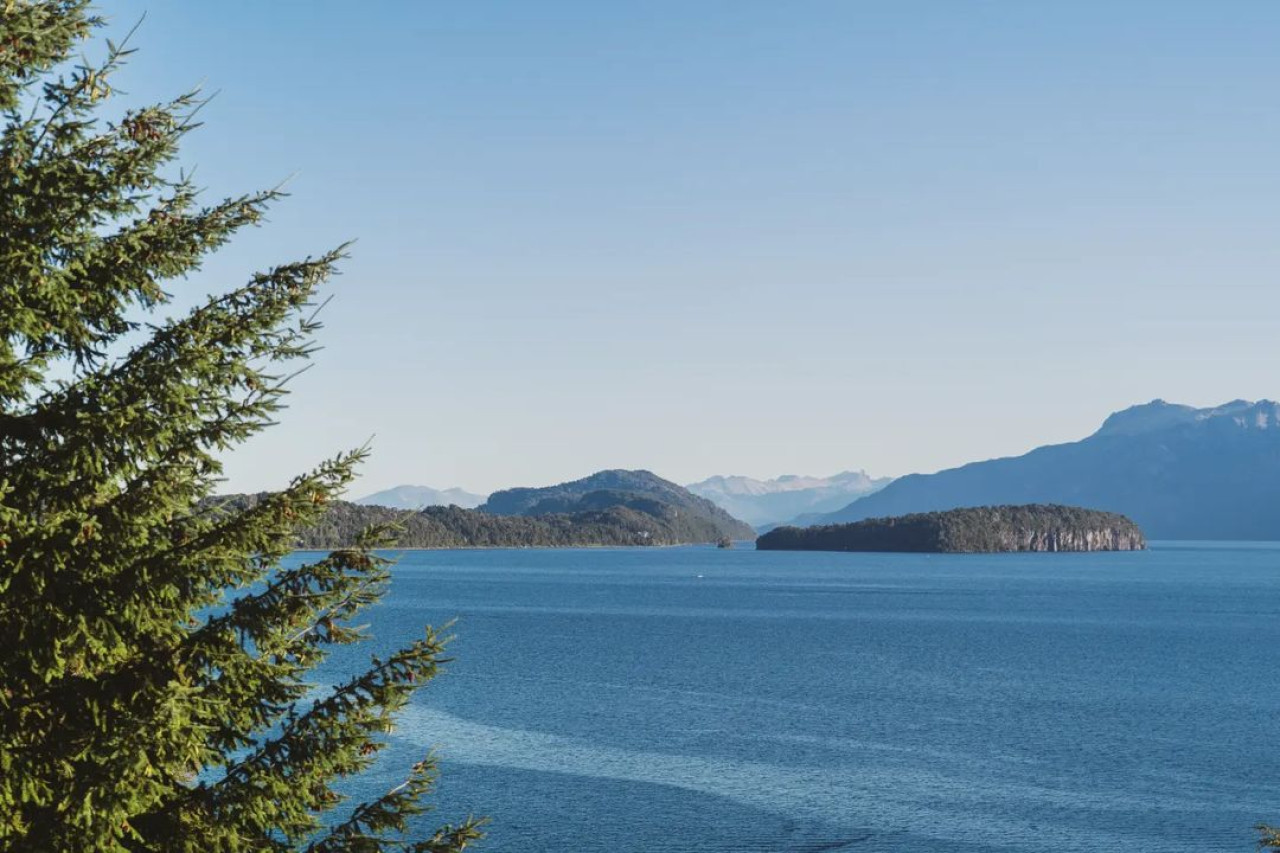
{"x":419,"y":497}
{"x":1178,"y":471}
{"x":757,"y":502}
{"x":761,"y":502}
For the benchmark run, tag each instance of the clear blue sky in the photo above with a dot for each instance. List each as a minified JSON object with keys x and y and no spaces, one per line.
{"x":741,"y":237}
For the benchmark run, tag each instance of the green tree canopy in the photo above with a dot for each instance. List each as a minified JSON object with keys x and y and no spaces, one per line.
{"x":154,"y":652}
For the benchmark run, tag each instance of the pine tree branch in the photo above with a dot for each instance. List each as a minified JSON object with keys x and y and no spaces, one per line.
{"x":327,"y":739}
{"x":87,"y":77}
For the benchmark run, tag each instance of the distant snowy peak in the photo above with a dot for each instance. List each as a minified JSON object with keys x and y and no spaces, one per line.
{"x":1159,"y":415}
{"x":736,"y":485}
{"x":762,"y":502}
{"x":417,"y":497}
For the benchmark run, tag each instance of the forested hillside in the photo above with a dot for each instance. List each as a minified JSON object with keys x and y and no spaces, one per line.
{"x":642,"y":491}
{"x":453,"y":527}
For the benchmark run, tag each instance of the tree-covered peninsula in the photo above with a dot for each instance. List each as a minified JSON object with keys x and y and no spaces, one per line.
{"x":1031,"y":527}
{"x":616,"y":519}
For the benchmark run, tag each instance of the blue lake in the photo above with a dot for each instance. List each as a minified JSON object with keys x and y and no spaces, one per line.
{"x":693,"y":699}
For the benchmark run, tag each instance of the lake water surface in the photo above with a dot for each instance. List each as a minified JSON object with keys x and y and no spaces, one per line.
{"x":694,"y":699}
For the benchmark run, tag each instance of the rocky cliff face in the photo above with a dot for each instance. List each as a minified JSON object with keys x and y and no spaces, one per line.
{"x":1106,"y":538}
{"x":1032,"y":527}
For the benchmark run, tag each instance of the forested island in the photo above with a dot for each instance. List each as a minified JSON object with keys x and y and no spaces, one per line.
{"x":971,"y":530}
{"x":610,"y":508}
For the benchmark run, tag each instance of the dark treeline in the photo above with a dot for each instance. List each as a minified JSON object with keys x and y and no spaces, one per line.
{"x":1033,"y":527}
{"x":636,"y":523}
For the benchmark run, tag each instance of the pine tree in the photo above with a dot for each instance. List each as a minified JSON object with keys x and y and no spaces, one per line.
{"x":154,"y":649}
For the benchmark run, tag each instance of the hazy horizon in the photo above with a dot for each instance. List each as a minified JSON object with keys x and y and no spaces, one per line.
{"x":738,"y":237}
{"x":775,"y":477}
{"x":439,"y":488}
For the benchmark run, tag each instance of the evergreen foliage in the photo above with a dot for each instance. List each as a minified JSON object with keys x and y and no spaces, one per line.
{"x":154,"y":654}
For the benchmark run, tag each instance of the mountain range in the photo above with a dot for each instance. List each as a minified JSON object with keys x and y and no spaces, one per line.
{"x":613,"y":508}
{"x":418,"y":497}
{"x":1180,"y":472}
{"x":764,"y":502}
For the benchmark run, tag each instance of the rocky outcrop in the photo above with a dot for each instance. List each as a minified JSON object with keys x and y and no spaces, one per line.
{"x":1110,"y":538}
{"x":1033,"y":527}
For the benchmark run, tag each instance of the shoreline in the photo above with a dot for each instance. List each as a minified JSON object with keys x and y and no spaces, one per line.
{"x":711,"y":545}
